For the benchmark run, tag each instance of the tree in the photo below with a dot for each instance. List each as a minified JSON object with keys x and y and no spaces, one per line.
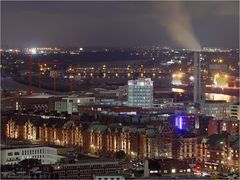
{"x":120,"y":155}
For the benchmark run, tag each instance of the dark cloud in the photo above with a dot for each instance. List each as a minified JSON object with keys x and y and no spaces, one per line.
{"x":119,"y":23}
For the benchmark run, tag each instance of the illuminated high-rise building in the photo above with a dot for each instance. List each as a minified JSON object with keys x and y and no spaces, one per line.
{"x":140,"y":93}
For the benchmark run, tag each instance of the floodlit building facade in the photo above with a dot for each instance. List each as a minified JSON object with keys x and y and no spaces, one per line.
{"x":219,"y":152}
{"x":96,"y":138}
{"x":140,"y":93}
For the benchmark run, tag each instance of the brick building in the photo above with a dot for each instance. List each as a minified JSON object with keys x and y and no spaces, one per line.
{"x":219,"y":152}
{"x":94,"y":137}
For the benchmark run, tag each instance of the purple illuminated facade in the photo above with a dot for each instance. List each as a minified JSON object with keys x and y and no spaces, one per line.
{"x":179,"y":122}
{"x":184,"y":122}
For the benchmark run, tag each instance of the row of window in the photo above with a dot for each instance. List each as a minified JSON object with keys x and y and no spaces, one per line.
{"x":36,"y":151}
{"x":140,"y":101}
{"x":168,"y":171}
{"x":11,"y":153}
{"x":76,"y":177}
{"x":12,"y":159}
{"x":110,"y":178}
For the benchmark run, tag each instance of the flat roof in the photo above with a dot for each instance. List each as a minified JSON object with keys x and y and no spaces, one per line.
{"x":39,"y":96}
{"x":5,"y":147}
{"x":215,"y":101}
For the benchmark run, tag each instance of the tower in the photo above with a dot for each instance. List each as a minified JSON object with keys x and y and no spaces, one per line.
{"x":197,"y":87}
{"x":31,"y":52}
{"x":30,"y":74}
{"x":197,"y":78}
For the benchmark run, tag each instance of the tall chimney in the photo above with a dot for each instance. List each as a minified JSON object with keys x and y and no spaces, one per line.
{"x":30,"y":74}
{"x":197,"y":87}
{"x":197,"y":78}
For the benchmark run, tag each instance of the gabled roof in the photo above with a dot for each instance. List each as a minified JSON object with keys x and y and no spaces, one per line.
{"x":219,"y":140}
{"x":97,"y":128}
{"x":151,"y":133}
{"x":236,"y":145}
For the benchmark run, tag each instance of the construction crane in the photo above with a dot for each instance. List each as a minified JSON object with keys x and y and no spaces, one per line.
{"x":30,"y":74}
{"x":70,"y":72}
{"x":43,"y":67}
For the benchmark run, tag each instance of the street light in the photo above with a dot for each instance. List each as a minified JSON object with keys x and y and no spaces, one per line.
{"x":191,"y":78}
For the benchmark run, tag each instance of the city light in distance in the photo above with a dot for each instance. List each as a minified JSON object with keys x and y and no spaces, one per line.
{"x":177,"y":78}
{"x":220,"y":80}
{"x":33,"y":51}
{"x":178,"y":75}
{"x":191,"y":78}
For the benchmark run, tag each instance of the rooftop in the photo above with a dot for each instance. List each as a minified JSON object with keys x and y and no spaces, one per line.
{"x":6,"y":147}
{"x":220,"y":139}
{"x":215,"y":101}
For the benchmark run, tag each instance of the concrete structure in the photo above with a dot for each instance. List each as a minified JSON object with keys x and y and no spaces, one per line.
{"x":197,"y":87}
{"x":197,"y":78}
{"x":15,"y":154}
{"x":70,"y":104}
{"x":119,"y":93}
{"x":66,"y":105}
{"x":235,"y":111}
{"x":109,"y":177}
{"x":40,"y":102}
{"x":85,"y":100}
{"x":87,"y":169}
{"x":166,"y":167}
{"x":111,"y":102}
{"x":140,"y":93}
{"x":219,"y":110}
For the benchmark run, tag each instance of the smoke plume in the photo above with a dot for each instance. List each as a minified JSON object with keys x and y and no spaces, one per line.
{"x":178,"y":25}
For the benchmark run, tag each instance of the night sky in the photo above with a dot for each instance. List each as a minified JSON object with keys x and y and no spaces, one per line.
{"x":120,"y":24}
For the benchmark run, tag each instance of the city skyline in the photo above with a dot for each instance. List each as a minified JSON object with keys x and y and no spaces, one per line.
{"x":120,"y":24}
{"x":120,"y":90}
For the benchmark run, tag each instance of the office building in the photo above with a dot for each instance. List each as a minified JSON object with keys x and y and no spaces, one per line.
{"x":140,"y":93}
{"x":15,"y":154}
{"x":235,"y":111}
{"x":66,"y":105}
{"x":219,"y":110}
{"x":70,"y":103}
